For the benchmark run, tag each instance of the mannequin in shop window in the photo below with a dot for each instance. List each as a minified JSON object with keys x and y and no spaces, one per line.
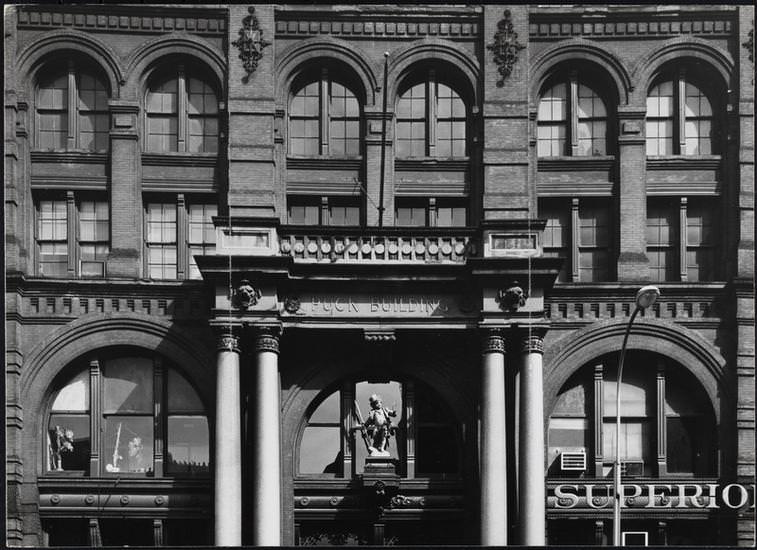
{"x":379,"y":427}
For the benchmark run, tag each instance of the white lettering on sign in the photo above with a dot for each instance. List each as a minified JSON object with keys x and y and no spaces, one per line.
{"x":378,"y":305}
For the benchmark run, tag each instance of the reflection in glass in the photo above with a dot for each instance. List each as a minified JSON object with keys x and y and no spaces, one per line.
{"x":187,"y":444}
{"x":68,"y":442}
{"x":128,"y":385}
{"x":320,"y":450}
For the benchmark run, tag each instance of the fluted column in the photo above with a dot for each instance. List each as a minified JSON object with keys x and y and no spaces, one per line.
{"x":266,"y":442}
{"x":531,"y":481}
{"x":228,"y":445}
{"x":493,"y":456}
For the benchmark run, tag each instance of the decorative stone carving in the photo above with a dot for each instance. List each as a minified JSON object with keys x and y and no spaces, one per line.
{"x":533,"y":343}
{"x":493,"y":342}
{"x":379,"y":335}
{"x":267,"y":340}
{"x":505,"y":47}
{"x":228,"y":342}
{"x":512,"y":297}
{"x":246,"y":295}
{"x":749,"y":44}
{"x":292,"y":304}
{"x":250,"y":44}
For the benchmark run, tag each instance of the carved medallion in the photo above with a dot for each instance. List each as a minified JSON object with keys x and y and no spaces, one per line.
{"x":505,"y":47}
{"x":250,"y":44}
{"x":512,"y":297}
{"x":246,"y":295}
{"x":292,"y":304}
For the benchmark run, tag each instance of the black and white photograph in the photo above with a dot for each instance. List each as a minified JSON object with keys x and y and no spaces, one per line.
{"x":379,"y":274}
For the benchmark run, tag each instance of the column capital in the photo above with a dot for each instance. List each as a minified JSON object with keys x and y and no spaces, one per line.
{"x":493,"y":341}
{"x":532,"y":341}
{"x":267,"y":339}
{"x":228,"y":341}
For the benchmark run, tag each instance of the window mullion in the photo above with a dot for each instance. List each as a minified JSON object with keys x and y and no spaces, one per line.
{"x":682,"y":238}
{"x":431,"y":113}
{"x":681,"y":111}
{"x":662,"y":468}
{"x":183,"y":124}
{"x":574,"y":239}
{"x":324,"y":111}
{"x":71,"y":233}
{"x":95,"y":417}
{"x":160,"y":414}
{"x":73,"y":117}
{"x":572,"y":118}
{"x":599,"y":404}
{"x":182,"y":252}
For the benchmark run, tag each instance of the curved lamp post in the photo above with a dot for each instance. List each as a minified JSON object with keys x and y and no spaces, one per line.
{"x":645,"y":297}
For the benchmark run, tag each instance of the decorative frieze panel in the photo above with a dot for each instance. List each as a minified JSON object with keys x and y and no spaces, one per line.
{"x":123,"y":18}
{"x":378,"y":29}
{"x":378,"y":248}
{"x":551,"y":29}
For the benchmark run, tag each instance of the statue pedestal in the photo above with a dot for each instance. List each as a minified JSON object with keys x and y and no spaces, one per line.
{"x":380,"y":469}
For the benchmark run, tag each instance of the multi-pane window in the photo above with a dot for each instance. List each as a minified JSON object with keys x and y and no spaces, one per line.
{"x":72,"y":110}
{"x":679,"y":119}
{"x":52,"y":238}
{"x":336,"y":211}
{"x":182,"y":113}
{"x":593,"y":242}
{"x":201,"y":237}
{"x":73,"y":235}
{"x":94,"y":237}
{"x":580,"y":231}
{"x":176,"y":230}
{"x":324,"y":119}
{"x":430,"y":212}
{"x":556,"y":238}
{"x":571,"y":120}
{"x":139,"y":406}
{"x":680,"y":240}
{"x":431,"y":121}
{"x":667,"y":422}
{"x":161,"y":240}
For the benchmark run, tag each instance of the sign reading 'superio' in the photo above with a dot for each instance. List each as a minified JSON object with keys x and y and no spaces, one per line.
{"x":653,"y":495}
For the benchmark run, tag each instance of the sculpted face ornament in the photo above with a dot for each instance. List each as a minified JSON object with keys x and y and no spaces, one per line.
{"x":246,"y":295}
{"x":512,"y":298}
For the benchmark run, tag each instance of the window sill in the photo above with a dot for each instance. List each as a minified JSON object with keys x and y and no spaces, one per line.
{"x":423,"y":163}
{"x":77,"y":156}
{"x":179,"y":159}
{"x":684,"y":162}
{"x":324,"y":163}
{"x":580,"y":164}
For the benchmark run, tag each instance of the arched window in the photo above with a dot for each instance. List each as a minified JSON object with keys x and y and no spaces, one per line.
{"x":324,"y":117}
{"x":425,"y":441}
{"x":132,"y":405}
{"x":667,"y":422}
{"x":679,"y":117}
{"x":571,"y":120}
{"x":72,"y":109}
{"x":182,"y":112}
{"x":431,"y":119}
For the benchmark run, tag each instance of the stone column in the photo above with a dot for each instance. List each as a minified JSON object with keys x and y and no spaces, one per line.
{"x":266,"y":442}
{"x":531,"y":444}
{"x":493,"y":455}
{"x":228,"y":445}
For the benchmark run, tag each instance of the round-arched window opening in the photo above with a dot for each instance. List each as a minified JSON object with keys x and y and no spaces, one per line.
{"x":124,"y":406}
{"x":422,"y":437}
{"x":668,"y":425}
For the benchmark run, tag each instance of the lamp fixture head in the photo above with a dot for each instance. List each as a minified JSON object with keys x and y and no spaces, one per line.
{"x":646,"y":296}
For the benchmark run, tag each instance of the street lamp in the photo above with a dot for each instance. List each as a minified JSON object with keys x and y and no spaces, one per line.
{"x":645,"y":297}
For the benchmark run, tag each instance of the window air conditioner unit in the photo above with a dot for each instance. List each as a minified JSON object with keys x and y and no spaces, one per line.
{"x":573,"y":461}
{"x":632,"y":468}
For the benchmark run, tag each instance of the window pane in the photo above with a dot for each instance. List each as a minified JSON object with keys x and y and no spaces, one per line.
{"x":568,"y":434}
{"x":434,"y":455}
{"x":635,"y":397}
{"x":635,"y":440}
{"x":410,"y":216}
{"x":320,"y":450}
{"x":53,"y":92}
{"x":128,"y":444}
{"x":552,"y":105}
{"x":163,"y":97}
{"x":328,"y":410}
{"x":128,"y":385}
{"x":68,"y":442}
{"x":182,"y":398}
{"x":450,"y":217}
{"x":188,"y":444}
{"x":74,"y":396}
